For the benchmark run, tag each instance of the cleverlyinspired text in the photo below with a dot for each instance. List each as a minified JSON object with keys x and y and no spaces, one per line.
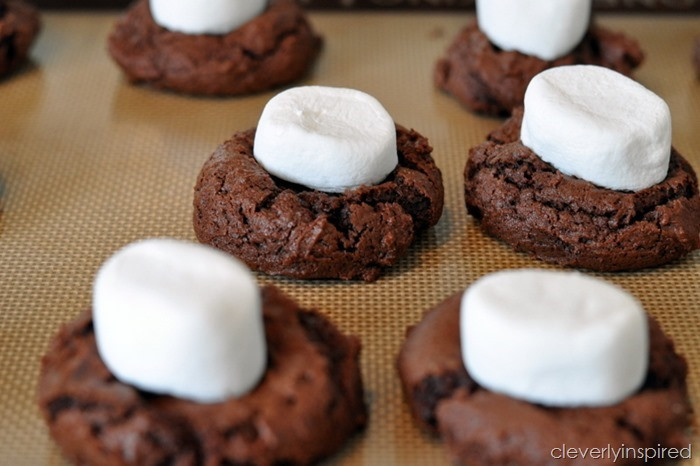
{"x":622,"y":452}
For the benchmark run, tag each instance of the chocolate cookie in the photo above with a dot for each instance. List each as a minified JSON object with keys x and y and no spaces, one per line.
{"x":307,"y":405}
{"x":489,"y":80}
{"x":285,"y":229}
{"x":563,"y":220}
{"x":485,"y":428}
{"x":275,"y":48}
{"x":19,"y":26}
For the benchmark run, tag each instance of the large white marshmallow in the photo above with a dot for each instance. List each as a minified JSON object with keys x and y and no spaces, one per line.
{"x":205,"y":16}
{"x":547,"y":29}
{"x":180,"y":319}
{"x":554,"y":338}
{"x":598,"y":125}
{"x":326,"y":138}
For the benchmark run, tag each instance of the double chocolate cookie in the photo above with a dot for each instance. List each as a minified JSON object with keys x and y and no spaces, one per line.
{"x":481,"y":427}
{"x":306,"y":406}
{"x":19,"y":26}
{"x":274,"y":48}
{"x":529,"y":204}
{"x":489,"y":80}
{"x":285,"y":229}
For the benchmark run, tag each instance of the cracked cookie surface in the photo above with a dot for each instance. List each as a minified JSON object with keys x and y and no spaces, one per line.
{"x":489,"y":80}
{"x":274,"y":48}
{"x":526,"y":202}
{"x":19,"y":26}
{"x":285,"y":229}
{"x":481,"y":427}
{"x":307,"y":405}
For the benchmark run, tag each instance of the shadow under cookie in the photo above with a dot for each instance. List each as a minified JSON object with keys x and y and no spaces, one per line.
{"x":481,"y":427}
{"x":489,"y":80}
{"x":308,"y":404}
{"x":285,"y":229}
{"x":560,"y":219}
{"x":272,"y":49}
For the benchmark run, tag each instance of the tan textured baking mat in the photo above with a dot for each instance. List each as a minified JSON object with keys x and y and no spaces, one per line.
{"x":88,"y":164}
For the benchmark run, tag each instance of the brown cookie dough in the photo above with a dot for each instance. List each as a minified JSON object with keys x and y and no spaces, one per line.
{"x":275,"y":48}
{"x":481,"y":427}
{"x":19,"y":26}
{"x":489,"y":80}
{"x":285,"y":229}
{"x":307,"y":405}
{"x":696,"y":57}
{"x":564,"y":220}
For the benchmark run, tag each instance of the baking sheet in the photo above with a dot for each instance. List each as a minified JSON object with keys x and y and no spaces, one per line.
{"x":89,"y":164}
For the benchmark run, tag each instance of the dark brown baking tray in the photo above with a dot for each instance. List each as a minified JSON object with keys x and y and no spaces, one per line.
{"x":675,"y":6}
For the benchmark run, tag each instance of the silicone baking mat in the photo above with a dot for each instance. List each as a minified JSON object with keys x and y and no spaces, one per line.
{"x":89,"y":163}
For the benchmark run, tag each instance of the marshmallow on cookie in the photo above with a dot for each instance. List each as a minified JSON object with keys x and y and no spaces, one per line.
{"x":547,"y":29}
{"x":596,"y":124}
{"x":180,"y":319}
{"x":205,"y":16}
{"x":325,"y":138}
{"x":559,"y":339}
